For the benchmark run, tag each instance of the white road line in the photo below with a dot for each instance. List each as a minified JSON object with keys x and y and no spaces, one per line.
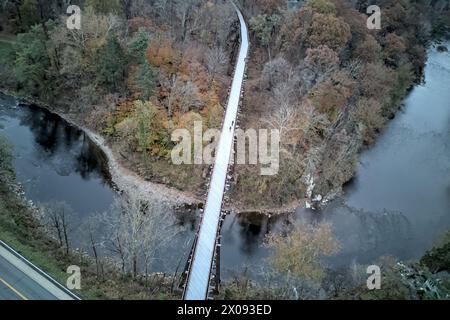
{"x":34,"y":273}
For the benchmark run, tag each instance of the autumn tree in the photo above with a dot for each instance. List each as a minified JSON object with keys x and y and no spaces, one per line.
{"x":6,"y":158}
{"x":322,"y":60}
{"x":394,"y":46}
{"x":368,"y":50}
{"x":298,"y":254}
{"x":370,"y":114}
{"x":404,"y":79}
{"x":375,"y":80}
{"x":329,"y":30}
{"x":313,"y":124}
{"x":145,"y":112}
{"x":163,"y":55}
{"x":331,"y":96}
{"x":266,"y":6}
{"x":322,"y":6}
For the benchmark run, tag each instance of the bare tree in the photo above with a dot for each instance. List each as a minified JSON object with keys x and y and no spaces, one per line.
{"x":185,"y":95}
{"x":57,"y":217}
{"x":94,"y":27}
{"x":216,"y":62}
{"x":127,"y":6}
{"x":213,"y":22}
{"x":276,"y":71}
{"x":282,"y":105}
{"x":162,"y":7}
{"x":92,"y":231}
{"x":135,"y":231}
{"x":141,"y":8}
{"x":183,"y":10}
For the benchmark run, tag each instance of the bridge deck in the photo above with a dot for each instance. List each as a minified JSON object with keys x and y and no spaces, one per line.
{"x":200,"y":268}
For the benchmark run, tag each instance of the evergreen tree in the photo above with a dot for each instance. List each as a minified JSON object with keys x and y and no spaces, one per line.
{"x":29,"y":12}
{"x":138,"y":45}
{"x":263,"y":26}
{"x":111,"y":64}
{"x":145,"y":81}
{"x":32,"y":63}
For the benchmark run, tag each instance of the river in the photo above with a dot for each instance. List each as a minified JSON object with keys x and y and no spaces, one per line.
{"x":397,"y":204}
{"x":57,"y":162}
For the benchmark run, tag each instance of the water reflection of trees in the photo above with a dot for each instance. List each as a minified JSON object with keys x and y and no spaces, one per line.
{"x":363,"y":235}
{"x":44,"y":128}
{"x":91,"y":160}
{"x":369,"y":235}
{"x":63,"y":145}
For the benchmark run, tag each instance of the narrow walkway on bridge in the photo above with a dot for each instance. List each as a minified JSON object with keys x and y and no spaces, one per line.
{"x":198,"y":279}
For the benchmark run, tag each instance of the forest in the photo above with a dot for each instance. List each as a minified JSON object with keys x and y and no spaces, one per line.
{"x":138,"y":70}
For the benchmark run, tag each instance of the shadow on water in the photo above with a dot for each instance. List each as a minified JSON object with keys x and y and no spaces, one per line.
{"x":55,"y":136}
{"x":55,"y":161}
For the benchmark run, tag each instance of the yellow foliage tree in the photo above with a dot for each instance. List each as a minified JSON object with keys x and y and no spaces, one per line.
{"x":298,"y":253}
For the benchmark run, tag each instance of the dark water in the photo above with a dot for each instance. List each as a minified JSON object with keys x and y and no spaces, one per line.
{"x":55,"y":161}
{"x":399,"y":202}
{"x":408,"y":171}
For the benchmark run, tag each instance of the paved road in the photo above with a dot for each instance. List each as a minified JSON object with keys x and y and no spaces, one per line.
{"x":200,"y":269}
{"x":20,"y":280}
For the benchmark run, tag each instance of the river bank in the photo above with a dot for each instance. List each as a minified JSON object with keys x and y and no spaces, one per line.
{"x":129,"y":182}
{"x":21,"y":228}
{"x":377,"y":232}
{"x":397,"y":204}
{"x":123,"y":179}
